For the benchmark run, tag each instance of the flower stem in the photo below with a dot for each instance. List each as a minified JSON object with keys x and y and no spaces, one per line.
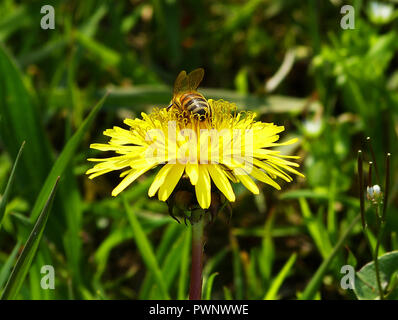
{"x":376,"y":255}
{"x":195,"y":289}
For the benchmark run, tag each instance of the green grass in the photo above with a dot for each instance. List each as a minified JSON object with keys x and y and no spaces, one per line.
{"x":105,"y":61}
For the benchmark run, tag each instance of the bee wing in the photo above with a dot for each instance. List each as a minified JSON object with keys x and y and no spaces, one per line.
{"x":181,"y":84}
{"x":194,"y":78}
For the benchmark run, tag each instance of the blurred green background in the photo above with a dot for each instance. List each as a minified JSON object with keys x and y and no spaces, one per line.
{"x":288,"y":60}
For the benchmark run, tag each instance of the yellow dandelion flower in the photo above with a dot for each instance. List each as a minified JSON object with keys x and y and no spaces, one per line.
{"x":228,"y":146}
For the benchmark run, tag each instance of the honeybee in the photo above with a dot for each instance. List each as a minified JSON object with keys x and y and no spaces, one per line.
{"x":185,"y":96}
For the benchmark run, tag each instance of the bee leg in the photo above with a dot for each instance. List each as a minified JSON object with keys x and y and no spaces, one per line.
{"x":173,"y":216}
{"x":168,"y":108}
{"x":170,"y":204}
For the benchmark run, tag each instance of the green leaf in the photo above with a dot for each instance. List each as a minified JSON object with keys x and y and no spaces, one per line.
{"x":365,"y":279}
{"x":312,"y":287}
{"x":227,"y":294}
{"x":171,"y":265}
{"x":250,"y":268}
{"x":145,"y":248}
{"x":13,"y":20}
{"x":170,"y":236}
{"x":242,"y":81}
{"x":115,"y":238}
{"x":64,"y":158}
{"x":351,"y":259}
{"x":6,"y":193}
{"x":20,"y":122}
{"x":24,"y":261}
{"x":43,"y":52}
{"x":267,"y":253}
{"x":277,"y":282}
{"x":316,"y":229}
{"x":373,"y":241}
{"x":209,"y":286}
{"x":168,"y":17}
{"x":102,"y":53}
{"x":213,"y":262}
{"x":172,"y":261}
{"x":6,"y":268}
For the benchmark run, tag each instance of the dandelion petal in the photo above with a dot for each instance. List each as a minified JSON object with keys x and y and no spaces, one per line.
{"x":171,"y":181}
{"x":159,"y":179}
{"x":129,"y":179}
{"x":203,"y":188}
{"x":221,"y":182}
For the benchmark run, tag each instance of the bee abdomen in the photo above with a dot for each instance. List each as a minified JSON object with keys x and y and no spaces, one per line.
{"x":194,"y":102}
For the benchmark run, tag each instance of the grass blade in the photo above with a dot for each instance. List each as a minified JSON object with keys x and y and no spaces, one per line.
{"x":227,"y":294}
{"x":24,"y":261}
{"x":209,"y":286}
{"x":169,"y":236}
{"x":63,"y":159}
{"x":267,"y":253}
{"x":316,"y":280}
{"x":21,"y":121}
{"x":277,"y":282}
{"x":6,"y":193}
{"x":171,"y":265}
{"x":316,"y":229}
{"x":145,"y":248}
{"x":6,"y":268}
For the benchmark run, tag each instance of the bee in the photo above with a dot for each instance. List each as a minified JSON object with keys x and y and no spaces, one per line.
{"x":185,"y":96}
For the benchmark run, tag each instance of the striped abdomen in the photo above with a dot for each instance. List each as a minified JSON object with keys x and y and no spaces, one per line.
{"x":194,"y":102}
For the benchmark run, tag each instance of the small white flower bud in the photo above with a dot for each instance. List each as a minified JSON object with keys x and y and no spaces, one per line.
{"x":374,"y":193}
{"x":376,"y":189}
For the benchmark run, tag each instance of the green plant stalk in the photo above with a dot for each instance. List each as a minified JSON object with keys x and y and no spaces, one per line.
{"x":195,"y":289}
{"x":376,"y":254}
{"x":28,"y":253}
{"x":361,"y":191}
{"x":313,"y":286}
